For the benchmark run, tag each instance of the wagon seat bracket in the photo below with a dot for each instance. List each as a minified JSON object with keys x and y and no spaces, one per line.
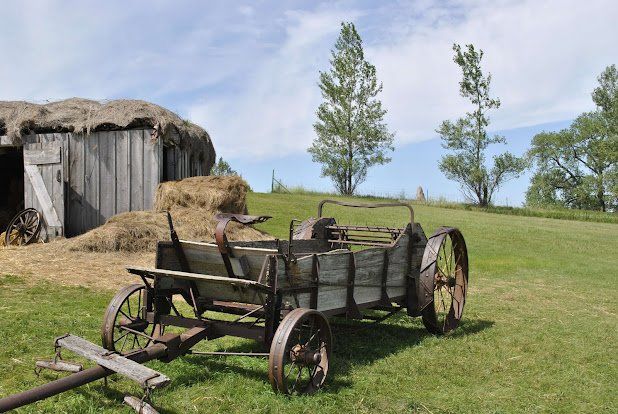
{"x":222,"y":243}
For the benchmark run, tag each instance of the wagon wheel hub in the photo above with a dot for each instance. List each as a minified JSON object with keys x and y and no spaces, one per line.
{"x":448,"y":281}
{"x":303,"y":355}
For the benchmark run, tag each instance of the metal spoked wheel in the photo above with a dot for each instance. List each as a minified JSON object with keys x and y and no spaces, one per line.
{"x":300,"y":352}
{"x":24,"y":228}
{"x":124,"y":327}
{"x":445,"y":262}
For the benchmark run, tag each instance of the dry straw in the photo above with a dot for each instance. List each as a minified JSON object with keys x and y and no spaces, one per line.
{"x":19,"y":118}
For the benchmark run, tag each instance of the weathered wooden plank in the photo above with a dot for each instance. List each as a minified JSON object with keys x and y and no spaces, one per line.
{"x":210,"y":286}
{"x":75,"y":224}
{"x":107,"y":175}
{"x":123,"y":172}
{"x":170,"y":164}
{"x":42,"y":196}
{"x":6,"y":141}
{"x":206,"y":258}
{"x":49,"y":155}
{"x":137,"y":170}
{"x":151,"y":169}
{"x":91,"y":182}
{"x":199,"y":277}
{"x":143,"y":375}
{"x":177,"y":164}
{"x":54,"y":181}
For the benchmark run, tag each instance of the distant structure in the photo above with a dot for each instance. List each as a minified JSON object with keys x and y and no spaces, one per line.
{"x":80,"y":162}
{"x":420,"y":194}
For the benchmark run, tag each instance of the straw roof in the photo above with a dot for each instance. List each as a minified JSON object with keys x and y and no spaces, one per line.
{"x":19,"y":118}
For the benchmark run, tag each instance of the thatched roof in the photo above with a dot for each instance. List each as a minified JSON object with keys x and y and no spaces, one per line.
{"x":19,"y":118}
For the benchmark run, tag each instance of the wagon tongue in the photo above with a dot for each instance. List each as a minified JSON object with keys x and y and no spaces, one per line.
{"x":108,"y":363}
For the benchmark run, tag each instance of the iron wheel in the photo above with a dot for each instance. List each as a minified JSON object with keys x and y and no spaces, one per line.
{"x":300,"y":353}
{"x":125,"y":328}
{"x":445,"y":263}
{"x":24,"y":228}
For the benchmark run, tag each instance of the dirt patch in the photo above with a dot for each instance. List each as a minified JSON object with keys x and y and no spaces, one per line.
{"x":54,"y":263}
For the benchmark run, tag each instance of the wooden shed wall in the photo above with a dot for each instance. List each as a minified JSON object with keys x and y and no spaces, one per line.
{"x":107,"y":173}
{"x":186,"y":159}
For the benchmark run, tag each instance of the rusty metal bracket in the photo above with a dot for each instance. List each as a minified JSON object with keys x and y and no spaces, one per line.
{"x":384,"y":299}
{"x":352,"y":310}
{"x":224,"y":246}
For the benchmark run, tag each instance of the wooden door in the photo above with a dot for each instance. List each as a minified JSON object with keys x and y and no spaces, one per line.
{"x":44,"y":183}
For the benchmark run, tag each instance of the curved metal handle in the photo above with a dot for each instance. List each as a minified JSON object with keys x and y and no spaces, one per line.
{"x":366,"y":205}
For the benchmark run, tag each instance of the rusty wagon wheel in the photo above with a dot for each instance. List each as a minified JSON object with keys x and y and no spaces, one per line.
{"x":24,"y":228}
{"x":124,"y":327}
{"x":445,"y":263}
{"x":300,"y":352}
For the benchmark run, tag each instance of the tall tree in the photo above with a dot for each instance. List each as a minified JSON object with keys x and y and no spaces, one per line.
{"x":351,"y":133}
{"x":222,"y":167}
{"x":578,"y":166}
{"x":468,"y":139}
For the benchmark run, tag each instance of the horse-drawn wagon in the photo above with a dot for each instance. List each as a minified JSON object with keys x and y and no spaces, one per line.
{"x":280,"y":293}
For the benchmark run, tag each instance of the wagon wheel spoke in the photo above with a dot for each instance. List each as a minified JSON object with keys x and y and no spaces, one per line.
{"x":298,"y":376}
{"x":122,"y":336}
{"x":126,"y":316}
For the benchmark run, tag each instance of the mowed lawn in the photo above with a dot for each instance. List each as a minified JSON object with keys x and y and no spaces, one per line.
{"x":540,"y":331}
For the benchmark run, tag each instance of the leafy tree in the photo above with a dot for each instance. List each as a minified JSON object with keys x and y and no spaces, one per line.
{"x":351,"y":133}
{"x":222,"y":167}
{"x":467,"y":137}
{"x":578,"y":166}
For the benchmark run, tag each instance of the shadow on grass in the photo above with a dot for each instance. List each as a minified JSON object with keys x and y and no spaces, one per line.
{"x":354,"y":343}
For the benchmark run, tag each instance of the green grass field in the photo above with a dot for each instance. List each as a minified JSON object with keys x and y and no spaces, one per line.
{"x":540,"y":331}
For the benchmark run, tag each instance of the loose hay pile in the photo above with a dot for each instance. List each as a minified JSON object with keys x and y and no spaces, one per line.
{"x":192,"y":202}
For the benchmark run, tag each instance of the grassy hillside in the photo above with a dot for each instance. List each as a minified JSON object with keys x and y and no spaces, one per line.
{"x":539,"y":333}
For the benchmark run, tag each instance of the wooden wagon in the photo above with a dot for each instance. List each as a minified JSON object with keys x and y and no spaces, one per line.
{"x":281,"y":293}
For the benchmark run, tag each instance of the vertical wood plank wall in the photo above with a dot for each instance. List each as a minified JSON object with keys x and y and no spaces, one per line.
{"x":111,"y":172}
{"x":184,"y":162}
{"x":106,"y":173}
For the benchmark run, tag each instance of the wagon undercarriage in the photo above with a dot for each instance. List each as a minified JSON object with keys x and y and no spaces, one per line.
{"x":279,"y":293}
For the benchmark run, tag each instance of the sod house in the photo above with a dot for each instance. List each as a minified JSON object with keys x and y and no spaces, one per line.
{"x":79,"y":161}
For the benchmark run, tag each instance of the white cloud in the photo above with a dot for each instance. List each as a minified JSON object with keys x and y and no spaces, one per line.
{"x":249,"y":74}
{"x":544,"y":57}
{"x":273,"y":112}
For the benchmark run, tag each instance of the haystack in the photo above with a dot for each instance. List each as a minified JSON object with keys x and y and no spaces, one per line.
{"x":225,"y":194}
{"x":19,"y":118}
{"x":192,"y":202}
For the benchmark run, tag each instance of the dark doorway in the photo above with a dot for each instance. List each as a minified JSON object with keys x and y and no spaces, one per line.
{"x":11,"y":184}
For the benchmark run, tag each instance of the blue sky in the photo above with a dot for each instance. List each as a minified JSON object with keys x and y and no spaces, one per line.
{"x":247,"y":71}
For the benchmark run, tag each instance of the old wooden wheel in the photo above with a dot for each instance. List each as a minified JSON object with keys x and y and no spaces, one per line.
{"x":124,"y":326}
{"x":24,"y":228}
{"x":445,"y":262}
{"x":300,"y":352}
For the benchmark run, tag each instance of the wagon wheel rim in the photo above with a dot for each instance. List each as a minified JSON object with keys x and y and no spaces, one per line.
{"x":448,"y":267}
{"x":24,"y":228}
{"x":124,"y":327}
{"x":300,"y":353}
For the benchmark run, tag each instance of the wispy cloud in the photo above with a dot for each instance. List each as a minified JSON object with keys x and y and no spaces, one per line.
{"x":248,"y":73}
